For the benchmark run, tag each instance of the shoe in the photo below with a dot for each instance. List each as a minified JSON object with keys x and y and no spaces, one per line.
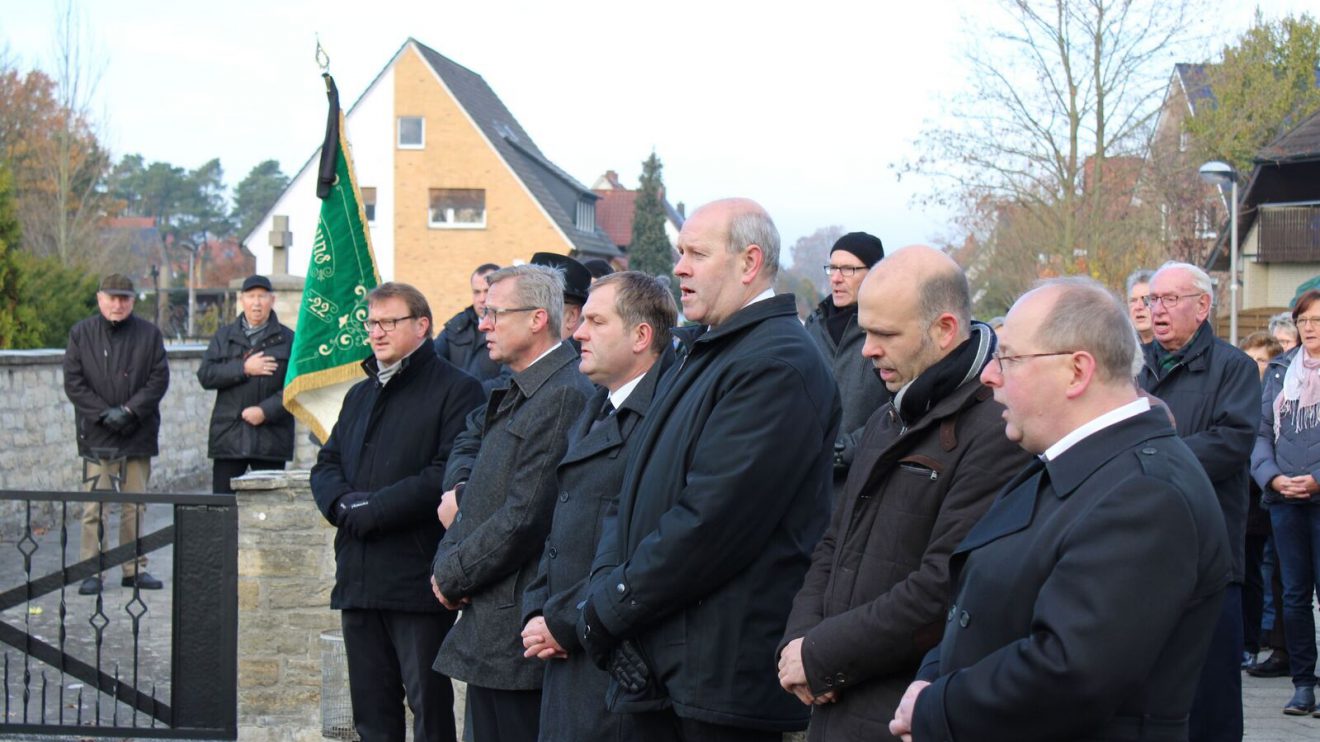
{"x":1248,"y":659}
{"x":90,"y":586}
{"x":1273,"y":666}
{"x":144,"y":582}
{"x":1303,"y":701}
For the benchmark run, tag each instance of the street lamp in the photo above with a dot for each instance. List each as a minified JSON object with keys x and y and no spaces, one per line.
{"x":1218,"y":173}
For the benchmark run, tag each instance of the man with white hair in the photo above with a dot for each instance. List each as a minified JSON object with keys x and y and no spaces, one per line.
{"x":1213,"y":391}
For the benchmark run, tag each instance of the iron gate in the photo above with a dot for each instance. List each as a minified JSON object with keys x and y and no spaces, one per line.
{"x":123,"y":662}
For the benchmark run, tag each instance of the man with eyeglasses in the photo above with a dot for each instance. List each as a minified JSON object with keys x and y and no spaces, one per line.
{"x":1138,"y":288}
{"x":834,"y":328}
{"x":1086,"y":596}
{"x":1213,"y":391}
{"x":462,"y":344}
{"x":500,"y":501}
{"x":378,"y":480}
{"x":927,"y":466}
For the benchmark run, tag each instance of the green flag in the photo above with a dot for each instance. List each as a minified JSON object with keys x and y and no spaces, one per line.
{"x":330,"y":343}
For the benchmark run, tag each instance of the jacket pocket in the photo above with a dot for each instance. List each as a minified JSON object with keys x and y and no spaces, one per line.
{"x":921,"y":466}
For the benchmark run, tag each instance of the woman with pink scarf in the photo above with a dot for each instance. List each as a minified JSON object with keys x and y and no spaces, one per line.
{"x":1286,"y":465}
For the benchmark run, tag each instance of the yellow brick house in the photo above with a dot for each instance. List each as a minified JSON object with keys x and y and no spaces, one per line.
{"x":449,"y":180}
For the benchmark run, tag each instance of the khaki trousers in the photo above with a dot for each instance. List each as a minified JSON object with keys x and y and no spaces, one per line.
{"x":133,"y":478}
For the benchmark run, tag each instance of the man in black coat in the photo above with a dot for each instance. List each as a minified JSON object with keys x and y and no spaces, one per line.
{"x":378,"y":479}
{"x":246,"y":363}
{"x":501,"y":475}
{"x":625,"y":336}
{"x":463,"y":344}
{"x":1213,"y":391}
{"x":115,"y":374}
{"x":837,"y":333}
{"x":722,"y":501}
{"x":1087,"y":595}
{"x":928,"y":466}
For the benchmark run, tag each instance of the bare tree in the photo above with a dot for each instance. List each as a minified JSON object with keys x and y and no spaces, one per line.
{"x":1060,"y":98}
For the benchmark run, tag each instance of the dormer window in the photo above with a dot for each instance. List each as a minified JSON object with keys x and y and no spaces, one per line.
{"x":586,"y":215}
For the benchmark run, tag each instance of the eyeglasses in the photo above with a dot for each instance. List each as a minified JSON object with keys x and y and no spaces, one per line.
{"x":1027,"y":356}
{"x":387,"y":325}
{"x":1136,"y":301}
{"x":1168,"y":300}
{"x":1307,"y":322}
{"x":493,"y":313}
{"x":848,"y":271}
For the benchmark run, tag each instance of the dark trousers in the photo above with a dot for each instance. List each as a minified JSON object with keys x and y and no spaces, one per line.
{"x":1297,"y":542}
{"x":504,"y":715}
{"x":1217,"y":707}
{"x":666,"y":726}
{"x":224,"y":470}
{"x":1253,"y":593}
{"x":389,"y":657}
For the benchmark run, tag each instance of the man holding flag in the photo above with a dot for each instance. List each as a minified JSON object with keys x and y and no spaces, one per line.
{"x":378,"y":476}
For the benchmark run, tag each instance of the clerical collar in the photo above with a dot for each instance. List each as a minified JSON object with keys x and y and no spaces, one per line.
{"x":1113,"y":417}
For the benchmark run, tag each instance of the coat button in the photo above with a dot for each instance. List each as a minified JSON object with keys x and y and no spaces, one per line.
{"x":552,"y":552}
{"x":563,"y":497}
{"x":1148,"y":451}
{"x":964,"y":619}
{"x":621,"y":588}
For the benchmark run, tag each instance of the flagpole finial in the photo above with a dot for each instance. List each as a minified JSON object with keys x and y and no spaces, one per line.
{"x":322,"y":59}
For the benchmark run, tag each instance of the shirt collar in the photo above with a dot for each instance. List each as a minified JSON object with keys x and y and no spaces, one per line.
{"x":620,"y":395}
{"x":548,"y":351}
{"x":1113,"y":417}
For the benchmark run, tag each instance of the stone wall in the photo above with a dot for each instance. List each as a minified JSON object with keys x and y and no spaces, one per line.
{"x":286,"y":569}
{"x":38,"y":450}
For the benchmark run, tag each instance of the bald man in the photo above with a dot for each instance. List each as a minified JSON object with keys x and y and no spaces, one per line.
{"x":927,"y":466}
{"x":722,"y":500}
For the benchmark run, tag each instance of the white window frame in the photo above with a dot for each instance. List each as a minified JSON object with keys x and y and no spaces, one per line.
{"x":398,"y":133}
{"x":452,"y":224}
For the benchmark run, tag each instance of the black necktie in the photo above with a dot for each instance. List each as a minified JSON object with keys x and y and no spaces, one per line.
{"x":606,"y":410}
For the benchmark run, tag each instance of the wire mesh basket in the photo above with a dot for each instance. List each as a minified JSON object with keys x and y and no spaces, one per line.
{"x":336,"y":704}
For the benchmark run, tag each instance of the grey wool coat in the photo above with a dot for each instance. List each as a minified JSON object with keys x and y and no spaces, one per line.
{"x":507,"y":456}
{"x":589,"y":479}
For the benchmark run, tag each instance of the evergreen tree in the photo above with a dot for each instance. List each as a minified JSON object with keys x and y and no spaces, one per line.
{"x":256,"y":193}
{"x":17,"y":319}
{"x":650,"y":251}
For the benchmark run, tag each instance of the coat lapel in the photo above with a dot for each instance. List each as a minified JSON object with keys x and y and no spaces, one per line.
{"x":1011,"y":512}
{"x":590,"y":442}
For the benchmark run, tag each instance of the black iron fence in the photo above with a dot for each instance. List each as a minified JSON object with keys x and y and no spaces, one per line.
{"x":120,"y":661}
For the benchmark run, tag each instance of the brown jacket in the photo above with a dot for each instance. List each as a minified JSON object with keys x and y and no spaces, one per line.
{"x":875,"y":598}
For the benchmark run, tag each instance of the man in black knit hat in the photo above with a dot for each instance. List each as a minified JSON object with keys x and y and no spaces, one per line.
{"x":833,"y":326}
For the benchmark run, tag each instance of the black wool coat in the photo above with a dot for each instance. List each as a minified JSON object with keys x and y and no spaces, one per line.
{"x":462,"y":344}
{"x":722,"y":502}
{"x":507,"y":455}
{"x":1214,"y":395}
{"x":589,"y":477}
{"x":393,"y":441}
{"x":231,"y":437}
{"x":112,"y":365}
{"x":1084,"y":607}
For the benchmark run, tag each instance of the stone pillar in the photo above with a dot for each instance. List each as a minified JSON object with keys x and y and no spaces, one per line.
{"x":286,"y":569}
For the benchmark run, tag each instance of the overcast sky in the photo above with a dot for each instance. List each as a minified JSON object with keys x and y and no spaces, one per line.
{"x":802,"y":106}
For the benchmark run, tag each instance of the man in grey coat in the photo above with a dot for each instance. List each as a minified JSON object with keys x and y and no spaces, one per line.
{"x":625,"y":348}
{"x":501,"y":479}
{"x":837,"y":333}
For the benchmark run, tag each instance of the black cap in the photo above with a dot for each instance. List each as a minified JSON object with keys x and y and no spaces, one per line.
{"x":117,"y":284}
{"x":866,"y":247}
{"x":577,"y":279}
{"x":598,"y":268}
{"x":256,"y":282}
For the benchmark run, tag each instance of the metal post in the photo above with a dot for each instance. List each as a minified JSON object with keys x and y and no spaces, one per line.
{"x":1233,"y":267}
{"x":192,"y":291}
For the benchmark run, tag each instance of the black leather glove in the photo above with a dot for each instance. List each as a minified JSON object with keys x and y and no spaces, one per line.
{"x":339,"y":510}
{"x":595,"y":638}
{"x":629,"y":668}
{"x":119,"y":419}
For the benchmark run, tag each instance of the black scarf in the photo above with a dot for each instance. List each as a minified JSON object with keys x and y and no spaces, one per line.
{"x":939,"y":381}
{"x":836,"y":319}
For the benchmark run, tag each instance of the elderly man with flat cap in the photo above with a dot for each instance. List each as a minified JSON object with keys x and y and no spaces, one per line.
{"x":115,"y":374}
{"x":246,"y":363}
{"x":835,"y":329}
